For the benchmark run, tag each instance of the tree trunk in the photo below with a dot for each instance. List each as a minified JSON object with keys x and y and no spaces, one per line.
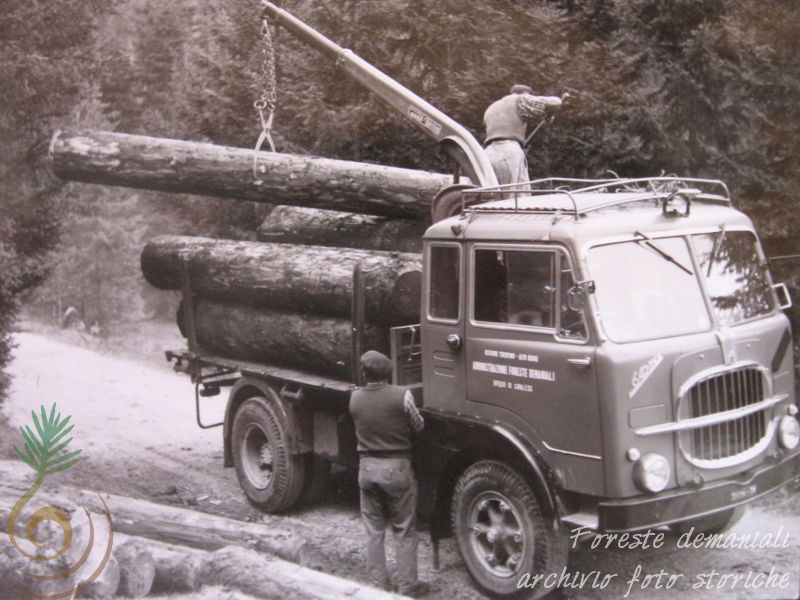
{"x":23,"y":577}
{"x":106,"y":584}
{"x":266,"y":577}
{"x":200,"y":168}
{"x":302,"y":279}
{"x":237,"y":561}
{"x":177,"y":568}
{"x":320,"y":345}
{"x":200,"y":530}
{"x":168,"y":523}
{"x":317,"y":226}
{"x":137,"y":569}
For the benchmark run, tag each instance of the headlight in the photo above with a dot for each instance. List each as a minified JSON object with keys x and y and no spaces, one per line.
{"x":788,"y":432}
{"x":651,"y":473}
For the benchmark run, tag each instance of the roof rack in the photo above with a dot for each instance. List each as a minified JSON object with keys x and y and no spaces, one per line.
{"x":662,"y":189}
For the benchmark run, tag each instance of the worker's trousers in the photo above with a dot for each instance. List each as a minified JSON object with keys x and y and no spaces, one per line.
{"x":510,"y":162}
{"x":389,"y":496}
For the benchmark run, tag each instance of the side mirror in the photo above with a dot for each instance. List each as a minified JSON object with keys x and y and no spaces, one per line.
{"x":784,"y":298}
{"x":578,"y":295}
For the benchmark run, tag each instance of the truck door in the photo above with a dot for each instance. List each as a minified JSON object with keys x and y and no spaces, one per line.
{"x":529,"y":353}
{"x":443,"y":327}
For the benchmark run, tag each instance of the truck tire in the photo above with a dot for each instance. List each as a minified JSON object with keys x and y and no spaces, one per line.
{"x":716,"y":523}
{"x":269,"y":475}
{"x":501,"y":533}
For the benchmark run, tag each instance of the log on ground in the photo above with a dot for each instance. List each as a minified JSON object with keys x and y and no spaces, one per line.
{"x":177,"y":568}
{"x":319,"y":345}
{"x":302,"y":279}
{"x":266,"y":577}
{"x":200,"y":530}
{"x":169,"y":524}
{"x":104,"y":585}
{"x":301,"y":225}
{"x":137,"y":568}
{"x":200,"y":168}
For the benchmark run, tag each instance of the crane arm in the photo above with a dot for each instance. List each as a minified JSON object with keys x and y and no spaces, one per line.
{"x":455,"y":138}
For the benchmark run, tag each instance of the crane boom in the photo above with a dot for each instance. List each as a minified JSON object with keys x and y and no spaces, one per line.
{"x":455,"y":138}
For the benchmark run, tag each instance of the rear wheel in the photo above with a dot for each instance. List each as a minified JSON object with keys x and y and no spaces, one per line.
{"x":501,"y":533}
{"x":269,"y":475}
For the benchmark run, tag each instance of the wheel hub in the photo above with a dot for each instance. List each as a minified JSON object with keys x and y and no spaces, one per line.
{"x":257,"y":457}
{"x":498,"y":539}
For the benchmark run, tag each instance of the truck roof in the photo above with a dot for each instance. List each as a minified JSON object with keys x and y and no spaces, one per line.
{"x":591,"y":212}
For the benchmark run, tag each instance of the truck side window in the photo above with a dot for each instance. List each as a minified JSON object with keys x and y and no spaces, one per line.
{"x":515,"y":286}
{"x":445,"y":282}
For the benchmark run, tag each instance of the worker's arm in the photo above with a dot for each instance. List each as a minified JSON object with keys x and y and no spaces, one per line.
{"x":415,"y":419}
{"x":533,"y":107}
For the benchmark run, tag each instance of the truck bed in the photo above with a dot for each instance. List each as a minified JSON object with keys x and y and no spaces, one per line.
{"x":214,"y":369}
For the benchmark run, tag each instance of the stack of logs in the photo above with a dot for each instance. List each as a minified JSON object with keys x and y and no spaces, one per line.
{"x":285,"y":303}
{"x":152,"y":549}
{"x":286,"y":298}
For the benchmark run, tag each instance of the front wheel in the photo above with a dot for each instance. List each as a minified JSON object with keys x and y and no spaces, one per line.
{"x":269,"y":475}
{"x":501,"y":533}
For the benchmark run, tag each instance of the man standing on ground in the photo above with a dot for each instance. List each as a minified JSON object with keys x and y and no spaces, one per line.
{"x":506,"y":121}
{"x":384,"y":416}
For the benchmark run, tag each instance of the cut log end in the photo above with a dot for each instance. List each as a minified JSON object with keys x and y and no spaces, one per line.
{"x":137,"y":569}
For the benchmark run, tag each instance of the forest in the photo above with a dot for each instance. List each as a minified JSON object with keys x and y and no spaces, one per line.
{"x":701,"y":88}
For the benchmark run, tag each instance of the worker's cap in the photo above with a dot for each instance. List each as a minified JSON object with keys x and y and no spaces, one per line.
{"x":376,"y":364}
{"x":520,"y":88}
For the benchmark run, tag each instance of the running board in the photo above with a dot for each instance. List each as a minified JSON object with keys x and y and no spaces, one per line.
{"x":582,"y":519}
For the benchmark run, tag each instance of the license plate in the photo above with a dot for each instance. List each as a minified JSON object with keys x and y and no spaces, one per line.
{"x":745,"y":492}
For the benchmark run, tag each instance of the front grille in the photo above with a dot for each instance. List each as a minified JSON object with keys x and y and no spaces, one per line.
{"x":719,"y":393}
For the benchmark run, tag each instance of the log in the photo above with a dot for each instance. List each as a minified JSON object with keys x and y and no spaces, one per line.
{"x":105,"y":585}
{"x":177,"y":568}
{"x":137,"y":569}
{"x":200,"y":168}
{"x":164,"y":531}
{"x":23,"y":577}
{"x":320,"y":345}
{"x":301,"y":225}
{"x":50,"y":578}
{"x":266,"y":577}
{"x":200,"y":530}
{"x":169,"y":523}
{"x":301,"y":279}
{"x":92,"y":579}
{"x":14,"y":584}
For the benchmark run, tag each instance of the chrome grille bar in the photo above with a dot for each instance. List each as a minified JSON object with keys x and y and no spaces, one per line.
{"x":722,"y":416}
{"x":712,"y":419}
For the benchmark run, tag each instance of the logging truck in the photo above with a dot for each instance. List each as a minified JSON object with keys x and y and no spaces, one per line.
{"x":593,"y":355}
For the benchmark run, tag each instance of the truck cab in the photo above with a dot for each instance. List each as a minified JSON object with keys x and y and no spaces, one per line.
{"x":620,"y":344}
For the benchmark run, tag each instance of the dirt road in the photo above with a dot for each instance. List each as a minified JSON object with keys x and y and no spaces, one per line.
{"x":135,"y":422}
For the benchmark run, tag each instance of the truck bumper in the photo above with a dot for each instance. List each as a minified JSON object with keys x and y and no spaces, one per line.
{"x":643,"y":512}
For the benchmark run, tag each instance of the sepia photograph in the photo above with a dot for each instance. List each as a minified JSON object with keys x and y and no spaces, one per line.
{"x":356,"y":300}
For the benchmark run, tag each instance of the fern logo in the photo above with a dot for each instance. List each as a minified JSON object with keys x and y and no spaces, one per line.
{"x":46,"y":451}
{"x":42,"y":454}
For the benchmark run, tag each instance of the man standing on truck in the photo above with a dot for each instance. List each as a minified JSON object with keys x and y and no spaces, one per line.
{"x":506,"y":121}
{"x":385,"y":416}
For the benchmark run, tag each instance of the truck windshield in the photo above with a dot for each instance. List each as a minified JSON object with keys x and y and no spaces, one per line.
{"x":642,"y":295}
{"x":644,"y":292}
{"x":736,"y":275}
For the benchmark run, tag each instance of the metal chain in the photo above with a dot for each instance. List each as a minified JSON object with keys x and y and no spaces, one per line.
{"x":267,"y":99}
{"x":265,"y":105}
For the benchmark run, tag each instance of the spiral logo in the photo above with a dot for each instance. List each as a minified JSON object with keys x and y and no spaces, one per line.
{"x":46,"y":452}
